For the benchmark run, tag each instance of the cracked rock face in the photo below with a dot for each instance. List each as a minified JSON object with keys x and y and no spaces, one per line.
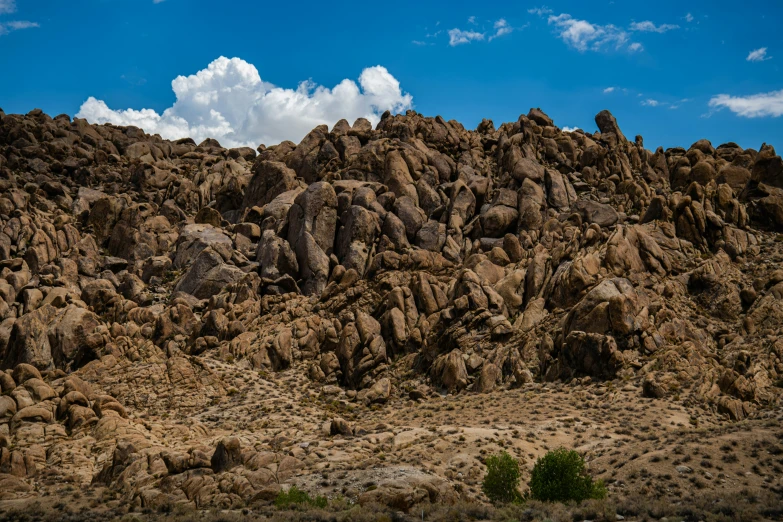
{"x":140,"y":278}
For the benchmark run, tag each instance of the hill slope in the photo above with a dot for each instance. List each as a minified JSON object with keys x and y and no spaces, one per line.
{"x":370,"y":312}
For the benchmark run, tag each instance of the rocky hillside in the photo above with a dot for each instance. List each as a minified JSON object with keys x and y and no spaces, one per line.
{"x":185,"y":323}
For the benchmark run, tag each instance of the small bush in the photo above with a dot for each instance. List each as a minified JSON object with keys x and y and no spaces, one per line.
{"x":560,"y":476}
{"x":296,"y":496}
{"x":502,"y":479}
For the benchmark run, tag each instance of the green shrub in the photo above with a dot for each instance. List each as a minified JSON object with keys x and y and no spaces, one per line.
{"x":560,"y":476}
{"x":296,"y":496}
{"x":502,"y":479}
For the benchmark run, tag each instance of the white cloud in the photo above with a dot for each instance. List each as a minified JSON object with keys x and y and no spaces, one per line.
{"x":540,"y":11}
{"x":636,"y":47}
{"x":583,"y":35}
{"x":759,"y":55}
{"x":16,"y":25}
{"x":649,"y":102}
{"x":677,"y":104}
{"x":21,"y":24}
{"x":501,"y":28}
{"x":649,"y":27}
{"x":157,"y":1}
{"x":570,"y":129}
{"x":228,"y":101}
{"x":8,"y":7}
{"x":689,"y":18}
{"x":458,"y":36}
{"x":609,"y":90}
{"x":754,"y":106}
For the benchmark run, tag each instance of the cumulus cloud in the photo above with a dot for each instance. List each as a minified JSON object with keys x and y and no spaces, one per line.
{"x":459,"y":37}
{"x":472,"y":20}
{"x":501,"y":28}
{"x":649,"y":102}
{"x":609,"y":90}
{"x":689,"y":18}
{"x":583,"y":35}
{"x":7,"y":6}
{"x":753,"y":106}
{"x":570,"y":129}
{"x":228,"y":101}
{"x":636,"y":47}
{"x":758,"y":55}
{"x":649,"y":27}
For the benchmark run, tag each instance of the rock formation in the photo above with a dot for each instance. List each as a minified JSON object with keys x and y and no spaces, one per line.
{"x":136,"y":273}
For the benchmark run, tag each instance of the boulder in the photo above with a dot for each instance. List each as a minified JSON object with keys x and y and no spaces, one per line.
{"x":208,"y":275}
{"x":339,"y":426}
{"x":449,"y":371}
{"x":560,"y":192}
{"x":531,"y":202}
{"x":356,"y":237}
{"x":29,"y":341}
{"x":361,"y":350}
{"x":397,"y":177}
{"x":489,"y":377}
{"x":592,"y":354}
{"x":193,"y":239}
{"x":522,"y":168}
{"x":607,"y":124}
{"x":73,"y":337}
{"x":431,"y":236}
{"x":412,"y":217}
{"x":270,"y":179}
{"x":23,"y":372}
{"x":314,"y":212}
{"x":498,"y":220}
{"x":409,"y":491}
{"x":610,"y":307}
{"x":378,"y":392}
{"x":276,"y":257}
{"x":538,"y":116}
{"x":313,"y":265}
{"x":598,"y":213}
{"x":735,"y":176}
{"x":228,"y":454}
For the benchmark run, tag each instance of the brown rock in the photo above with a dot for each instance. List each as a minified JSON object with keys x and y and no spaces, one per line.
{"x":228,"y":454}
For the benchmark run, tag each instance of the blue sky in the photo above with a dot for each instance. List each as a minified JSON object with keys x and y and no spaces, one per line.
{"x":655,"y":65}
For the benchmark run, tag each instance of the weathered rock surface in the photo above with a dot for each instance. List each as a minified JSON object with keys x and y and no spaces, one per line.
{"x":158,"y":298}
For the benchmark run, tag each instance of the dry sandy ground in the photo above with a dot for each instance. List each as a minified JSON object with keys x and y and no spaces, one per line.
{"x":663,"y":451}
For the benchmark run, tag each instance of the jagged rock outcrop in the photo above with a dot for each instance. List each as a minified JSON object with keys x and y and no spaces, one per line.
{"x":472,"y":260}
